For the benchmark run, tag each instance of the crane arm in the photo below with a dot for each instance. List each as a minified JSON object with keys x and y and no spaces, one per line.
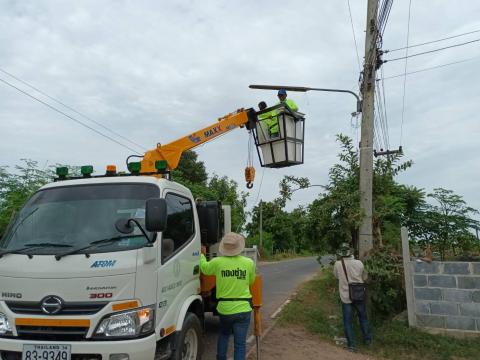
{"x":172,"y":151}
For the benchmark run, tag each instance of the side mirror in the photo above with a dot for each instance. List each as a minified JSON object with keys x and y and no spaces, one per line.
{"x":156,"y":215}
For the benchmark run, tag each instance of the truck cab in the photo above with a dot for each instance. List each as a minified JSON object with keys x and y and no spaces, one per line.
{"x":82,"y":277}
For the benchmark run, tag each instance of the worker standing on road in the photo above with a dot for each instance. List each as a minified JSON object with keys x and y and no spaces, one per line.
{"x":234,"y":275}
{"x":350,"y":271}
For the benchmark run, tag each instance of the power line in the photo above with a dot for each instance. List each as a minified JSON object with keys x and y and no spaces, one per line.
{"x":70,"y":108}
{"x":431,"y":68}
{"x":68,"y":116}
{"x":385,"y":107}
{"x":435,"y":41}
{"x":405,"y":71}
{"x":432,"y":51}
{"x":382,"y":19}
{"x":381,"y":117}
{"x":260,"y":187}
{"x":354,"y":37}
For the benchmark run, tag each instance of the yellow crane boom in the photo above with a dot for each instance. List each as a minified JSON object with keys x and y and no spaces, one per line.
{"x":172,"y":151}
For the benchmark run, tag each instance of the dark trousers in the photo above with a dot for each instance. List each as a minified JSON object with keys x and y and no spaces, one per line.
{"x":237,"y":325}
{"x":347,"y":310}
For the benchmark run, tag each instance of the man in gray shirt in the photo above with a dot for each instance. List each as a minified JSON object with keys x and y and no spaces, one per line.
{"x":356,"y":274}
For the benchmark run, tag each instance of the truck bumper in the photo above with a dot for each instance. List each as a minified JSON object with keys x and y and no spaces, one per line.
{"x":138,"y":349}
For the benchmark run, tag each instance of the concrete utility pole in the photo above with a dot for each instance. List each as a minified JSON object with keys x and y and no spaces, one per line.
{"x":365,"y":242}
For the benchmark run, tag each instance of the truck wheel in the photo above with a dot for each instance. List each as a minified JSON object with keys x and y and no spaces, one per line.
{"x":189,"y":344}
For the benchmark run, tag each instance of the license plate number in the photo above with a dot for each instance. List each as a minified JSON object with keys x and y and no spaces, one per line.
{"x":46,"y":352}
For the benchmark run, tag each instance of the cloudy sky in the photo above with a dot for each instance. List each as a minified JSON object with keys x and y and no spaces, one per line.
{"x":156,"y":70}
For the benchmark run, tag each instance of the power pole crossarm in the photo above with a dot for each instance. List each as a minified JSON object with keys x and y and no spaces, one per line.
{"x":366,"y":143}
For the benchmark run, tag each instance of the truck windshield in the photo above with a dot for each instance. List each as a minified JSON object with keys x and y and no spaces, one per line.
{"x":74,"y":216}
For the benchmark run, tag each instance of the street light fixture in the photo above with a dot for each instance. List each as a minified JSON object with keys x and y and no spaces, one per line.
{"x":305,"y":89}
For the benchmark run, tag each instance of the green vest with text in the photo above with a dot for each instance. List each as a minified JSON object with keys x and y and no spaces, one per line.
{"x":234,"y":275}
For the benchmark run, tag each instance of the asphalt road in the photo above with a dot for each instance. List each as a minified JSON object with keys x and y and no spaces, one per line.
{"x":280,"y":279}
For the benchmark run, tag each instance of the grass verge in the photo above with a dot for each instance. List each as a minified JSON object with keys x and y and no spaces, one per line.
{"x":317,"y":307}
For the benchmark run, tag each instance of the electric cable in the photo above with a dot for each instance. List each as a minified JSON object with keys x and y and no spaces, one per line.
{"x":382,"y":19}
{"x":260,"y":186}
{"x":71,"y":108}
{"x":68,"y":116}
{"x":431,"y":68}
{"x":434,"y":41}
{"x":385,"y":107}
{"x":405,"y":72}
{"x":432,"y":51}
{"x":383,"y":114}
{"x":381,"y":117}
{"x":354,"y":37}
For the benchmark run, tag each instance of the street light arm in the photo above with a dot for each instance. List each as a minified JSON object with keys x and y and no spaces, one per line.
{"x":305,"y":89}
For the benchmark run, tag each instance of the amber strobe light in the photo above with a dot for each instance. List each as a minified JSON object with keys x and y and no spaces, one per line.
{"x":111,"y":170}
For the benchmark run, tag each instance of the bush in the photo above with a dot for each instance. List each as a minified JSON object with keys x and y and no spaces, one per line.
{"x":267,"y":243}
{"x":386,"y":288}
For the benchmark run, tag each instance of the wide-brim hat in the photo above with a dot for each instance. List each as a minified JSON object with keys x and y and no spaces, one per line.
{"x":232,"y":244}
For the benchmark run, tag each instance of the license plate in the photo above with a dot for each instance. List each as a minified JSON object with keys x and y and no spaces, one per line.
{"x":46,"y":352}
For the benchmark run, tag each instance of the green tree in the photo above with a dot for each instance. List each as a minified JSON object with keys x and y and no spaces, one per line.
{"x":445,"y":225}
{"x":191,"y":169}
{"x":192,"y":174}
{"x":17,"y":186}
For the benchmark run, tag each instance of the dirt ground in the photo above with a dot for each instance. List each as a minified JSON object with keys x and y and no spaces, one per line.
{"x":294,"y":343}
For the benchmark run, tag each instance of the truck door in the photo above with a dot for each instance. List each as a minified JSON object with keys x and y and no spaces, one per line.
{"x":179,"y":254}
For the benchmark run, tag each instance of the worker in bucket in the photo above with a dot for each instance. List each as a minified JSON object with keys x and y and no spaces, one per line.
{"x":269,"y":119}
{"x":282,"y":96}
{"x":234,"y":275}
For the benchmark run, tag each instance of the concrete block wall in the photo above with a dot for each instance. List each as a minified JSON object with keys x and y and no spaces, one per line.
{"x":447,"y":295}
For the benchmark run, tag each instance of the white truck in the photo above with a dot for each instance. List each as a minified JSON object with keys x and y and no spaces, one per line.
{"x":79,"y":281}
{"x":107,"y":267}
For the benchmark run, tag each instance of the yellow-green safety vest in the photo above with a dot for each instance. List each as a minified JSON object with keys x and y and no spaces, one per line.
{"x":234,"y":275}
{"x":270,"y":119}
{"x":291,"y":104}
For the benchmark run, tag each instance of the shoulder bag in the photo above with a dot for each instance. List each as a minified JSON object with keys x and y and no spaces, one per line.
{"x":356,"y":291}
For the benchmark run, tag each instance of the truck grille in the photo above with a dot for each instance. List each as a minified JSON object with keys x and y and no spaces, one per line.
{"x":15,"y":355}
{"x":51,"y":333}
{"x":69,"y":308}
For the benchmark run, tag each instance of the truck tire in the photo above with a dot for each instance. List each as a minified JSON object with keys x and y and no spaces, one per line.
{"x":189,"y":342}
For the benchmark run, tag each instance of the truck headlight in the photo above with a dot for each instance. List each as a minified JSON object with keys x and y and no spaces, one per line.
{"x":128,"y":324}
{"x":5,"y":327}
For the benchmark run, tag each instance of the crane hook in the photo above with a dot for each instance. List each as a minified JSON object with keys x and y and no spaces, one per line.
{"x":249,"y":176}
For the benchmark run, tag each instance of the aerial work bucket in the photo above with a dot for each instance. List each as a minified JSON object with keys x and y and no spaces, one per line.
{"x":279,"y":135}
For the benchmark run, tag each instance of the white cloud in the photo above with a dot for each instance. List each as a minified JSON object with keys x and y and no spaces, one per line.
{"x":155,"y":71}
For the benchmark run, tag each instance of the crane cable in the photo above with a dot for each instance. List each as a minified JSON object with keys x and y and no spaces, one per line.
{"x":250,"y":170}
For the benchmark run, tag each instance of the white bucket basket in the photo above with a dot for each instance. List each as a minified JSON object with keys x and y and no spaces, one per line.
{"x":279,"y":134}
